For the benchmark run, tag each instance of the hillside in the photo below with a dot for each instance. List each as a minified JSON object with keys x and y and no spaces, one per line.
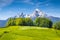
{"x":28,"y":33}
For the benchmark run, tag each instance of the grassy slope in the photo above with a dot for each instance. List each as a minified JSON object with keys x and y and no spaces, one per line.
{"x":28,"y":33}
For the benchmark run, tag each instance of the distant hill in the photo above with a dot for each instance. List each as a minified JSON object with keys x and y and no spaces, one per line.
{"x":54,"y":19}
{"x":3,"y":23}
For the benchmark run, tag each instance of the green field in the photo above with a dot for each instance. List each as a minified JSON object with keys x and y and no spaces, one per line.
{"x":28,"y":33}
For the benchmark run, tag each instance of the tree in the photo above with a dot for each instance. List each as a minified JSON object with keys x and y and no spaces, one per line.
{"x":43,"y":22}
{"x":37,"y":21}
{"x":21,"y":22}
{"x":11,"y":22}
{"x":8,"y":22}
{"x":24,"y":22}
{"x":28,"y":22}
{"x":56,"y":25}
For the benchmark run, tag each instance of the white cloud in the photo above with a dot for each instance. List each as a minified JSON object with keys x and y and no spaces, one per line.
{"x":37,"y":3}
{"x":7,"y":14}
{"x":4,"y":3}
{"x":3,"y":18}
{"x":28,"y":1}
{"x":25,"y":1}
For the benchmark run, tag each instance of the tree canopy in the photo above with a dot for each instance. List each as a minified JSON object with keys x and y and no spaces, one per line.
{"x":56,"y":25}
{"x":43,"y":22}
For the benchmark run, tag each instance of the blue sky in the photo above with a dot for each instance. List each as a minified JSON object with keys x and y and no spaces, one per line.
{"x":10,"y":8}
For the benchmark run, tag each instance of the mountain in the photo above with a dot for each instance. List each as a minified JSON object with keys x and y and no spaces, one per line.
{"x":20,"y":15}
{"x":54,"y":19}
{"x":3,"y":23}
{"x":39,"y":13}
{"x":36,"y":13}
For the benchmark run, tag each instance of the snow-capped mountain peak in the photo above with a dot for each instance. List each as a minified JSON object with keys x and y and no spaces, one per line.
{"x":37,"y":10}
{"x":36,"y":13}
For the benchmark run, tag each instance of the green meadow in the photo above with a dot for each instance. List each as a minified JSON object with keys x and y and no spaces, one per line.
{"x":29,"y":33}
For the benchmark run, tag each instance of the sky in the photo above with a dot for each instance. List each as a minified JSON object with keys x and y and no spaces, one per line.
{"x":11,"y":8}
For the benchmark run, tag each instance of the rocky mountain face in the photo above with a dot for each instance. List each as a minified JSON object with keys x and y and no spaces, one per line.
{"x":54,"y":19}
{"x":36,"y":13}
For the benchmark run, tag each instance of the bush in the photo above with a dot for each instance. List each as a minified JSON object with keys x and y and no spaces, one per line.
{"x":56,"y":25}
{"x":24,"y":22}
{"x":43,"y":22}
{"x":10,"y":22}
{"x":19,"y":21}
{"x":28,"y":22}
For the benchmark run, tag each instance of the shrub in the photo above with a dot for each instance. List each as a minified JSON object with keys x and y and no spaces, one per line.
{"x":10,"y":22}
{"x":43,"y":22}
{"x":28,"y":22}
{"x":56,"y":25}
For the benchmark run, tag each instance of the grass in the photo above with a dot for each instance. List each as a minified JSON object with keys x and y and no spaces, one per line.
{"x":28,"y":33}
